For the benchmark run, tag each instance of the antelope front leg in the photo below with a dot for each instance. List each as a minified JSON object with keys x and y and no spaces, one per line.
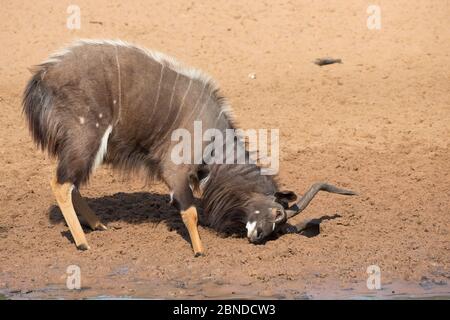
{"x":63,"y":195}
{"x":82,"y":208}
{"x":177,"y":180}
{"x":190,"y":220}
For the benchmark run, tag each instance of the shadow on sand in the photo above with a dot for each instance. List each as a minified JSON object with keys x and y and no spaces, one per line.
{"x":144,"y":207}
{"x":134,"y":208}
{"x":311,"y":228}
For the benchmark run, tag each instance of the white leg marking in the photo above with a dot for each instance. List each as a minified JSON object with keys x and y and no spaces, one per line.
{"x":103,"y":148}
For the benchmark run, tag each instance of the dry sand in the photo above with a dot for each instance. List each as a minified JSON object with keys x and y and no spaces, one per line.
{"x":378,"y":124}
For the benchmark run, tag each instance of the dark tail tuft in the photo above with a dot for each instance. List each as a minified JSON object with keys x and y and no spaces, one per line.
{"x":37,"y":107}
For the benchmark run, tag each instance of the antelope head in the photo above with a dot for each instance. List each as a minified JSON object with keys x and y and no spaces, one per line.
{"x":270,"y":214}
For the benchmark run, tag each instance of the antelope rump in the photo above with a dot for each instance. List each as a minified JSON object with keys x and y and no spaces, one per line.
{"x":109,"y":101}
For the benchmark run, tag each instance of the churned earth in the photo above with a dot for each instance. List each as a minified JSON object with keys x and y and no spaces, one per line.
{"x":378,"y":124}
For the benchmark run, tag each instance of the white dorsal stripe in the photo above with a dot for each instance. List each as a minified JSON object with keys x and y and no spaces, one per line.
{"x":160,"y":57}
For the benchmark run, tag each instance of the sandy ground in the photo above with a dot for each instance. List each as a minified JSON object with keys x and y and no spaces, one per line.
{"x":378,"y":124}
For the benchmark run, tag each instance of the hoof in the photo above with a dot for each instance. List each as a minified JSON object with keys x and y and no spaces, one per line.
{"x":199,"y":254}
{"x":101,"y":227}
{"x":83,"y":247}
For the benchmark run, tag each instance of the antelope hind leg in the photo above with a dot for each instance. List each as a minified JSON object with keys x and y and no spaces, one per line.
{"x":190,"y":220}
{"x":82,"y":208}
{"x":63,"y":195}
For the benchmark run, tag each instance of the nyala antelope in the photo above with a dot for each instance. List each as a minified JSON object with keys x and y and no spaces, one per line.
{"x":109,"y":101}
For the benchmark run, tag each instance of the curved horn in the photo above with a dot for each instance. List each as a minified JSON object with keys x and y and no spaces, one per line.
{"x":309,"y":195}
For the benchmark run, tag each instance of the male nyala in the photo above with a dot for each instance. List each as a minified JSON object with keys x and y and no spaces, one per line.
{"x":109,"y":101}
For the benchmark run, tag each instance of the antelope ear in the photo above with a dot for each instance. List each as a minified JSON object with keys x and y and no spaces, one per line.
{"x":284,"y":197}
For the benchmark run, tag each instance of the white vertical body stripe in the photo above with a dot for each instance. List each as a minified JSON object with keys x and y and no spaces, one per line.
{"x":173,"y":91}
{"x":118,"y":83}
{"x":196,"y":104}
{"x":159,"y":86}
{"x":179,"y":111}
{"x":205,"y":104}
{"x":185,"y":94}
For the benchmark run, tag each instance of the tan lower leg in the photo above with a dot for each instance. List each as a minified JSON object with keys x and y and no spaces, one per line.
{"x":63,"y":194}
{"x":190,"y":221}
{"x":82,"y":208}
